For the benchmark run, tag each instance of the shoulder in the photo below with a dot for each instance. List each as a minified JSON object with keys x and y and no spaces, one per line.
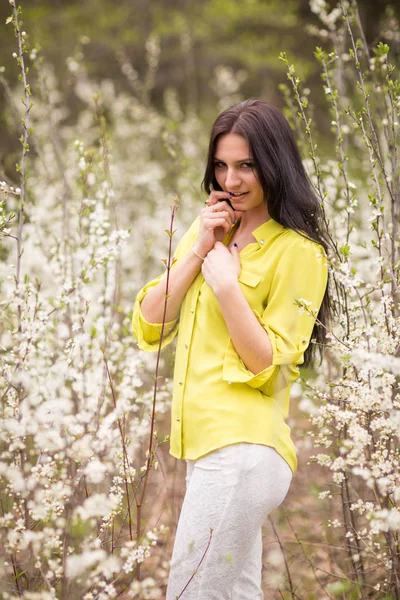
{"x":293,"y":242}
{"x":299,"y":253}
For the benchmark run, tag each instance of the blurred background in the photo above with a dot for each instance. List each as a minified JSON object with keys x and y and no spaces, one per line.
{"x":191,"y":40}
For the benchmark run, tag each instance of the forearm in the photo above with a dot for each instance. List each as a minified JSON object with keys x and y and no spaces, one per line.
{"x":180,"y":279}
{"x":250,"y":339}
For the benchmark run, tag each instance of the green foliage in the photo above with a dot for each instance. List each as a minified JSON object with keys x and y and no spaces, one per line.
{"x":338,"y":588}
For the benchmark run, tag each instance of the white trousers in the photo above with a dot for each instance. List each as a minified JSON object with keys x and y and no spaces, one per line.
{"x":231,"y":491}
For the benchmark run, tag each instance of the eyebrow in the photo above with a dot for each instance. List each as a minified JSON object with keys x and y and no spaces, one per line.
{"x":244,"y":160}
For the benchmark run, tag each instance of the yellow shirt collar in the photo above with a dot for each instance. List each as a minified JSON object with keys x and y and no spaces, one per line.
{"x":263,"y":233}
{"x":267,"y":229}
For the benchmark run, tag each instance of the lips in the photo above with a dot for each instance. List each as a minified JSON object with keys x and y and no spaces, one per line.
{"x":237,"y":196}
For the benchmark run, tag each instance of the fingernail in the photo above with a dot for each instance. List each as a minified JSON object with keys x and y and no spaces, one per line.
{"x":234,"y":221}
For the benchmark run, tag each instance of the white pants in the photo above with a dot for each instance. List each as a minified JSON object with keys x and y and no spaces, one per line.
{"x":231,"y":490}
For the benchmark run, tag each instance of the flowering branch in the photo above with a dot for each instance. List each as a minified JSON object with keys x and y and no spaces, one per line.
{"x":24,"y":139}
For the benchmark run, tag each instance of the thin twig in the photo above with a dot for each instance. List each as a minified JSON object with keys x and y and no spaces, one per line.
{"x":289,"y":576}
{"x":198,"y":566}
{"x":168,"y":264}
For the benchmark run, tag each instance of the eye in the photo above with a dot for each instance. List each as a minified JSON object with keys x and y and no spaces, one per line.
{"x":248,"y":165}
{"x":218,"y":164}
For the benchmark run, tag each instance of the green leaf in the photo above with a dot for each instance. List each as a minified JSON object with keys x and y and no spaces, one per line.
{"x":345,"y":250}
{"x":339,"y":587}
{"x":382,"y":49}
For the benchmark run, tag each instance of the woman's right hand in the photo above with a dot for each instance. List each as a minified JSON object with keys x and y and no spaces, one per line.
{"x":216,"y":219}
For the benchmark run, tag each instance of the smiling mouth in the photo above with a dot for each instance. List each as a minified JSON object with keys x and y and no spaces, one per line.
{"x":236,"y":196}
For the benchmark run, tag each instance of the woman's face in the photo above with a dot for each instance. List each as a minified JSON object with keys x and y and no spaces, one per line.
{"x":234,"y":171}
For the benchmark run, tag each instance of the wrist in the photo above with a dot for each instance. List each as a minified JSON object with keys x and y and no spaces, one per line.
{"x":225,"y":288}
{"x":197,"y":253}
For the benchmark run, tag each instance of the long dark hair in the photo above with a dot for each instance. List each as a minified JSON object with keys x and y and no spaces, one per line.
{"x":290,"y":195}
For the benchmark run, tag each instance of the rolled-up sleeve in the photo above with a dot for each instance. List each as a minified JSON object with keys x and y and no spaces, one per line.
{"x":148,"y":334}
{"x":301,"y":274}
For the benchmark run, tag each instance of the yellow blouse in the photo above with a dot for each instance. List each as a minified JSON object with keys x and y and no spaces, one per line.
{"x":216,"y":400}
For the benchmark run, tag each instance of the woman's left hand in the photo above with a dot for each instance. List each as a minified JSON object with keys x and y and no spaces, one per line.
{"x":221,"y":267}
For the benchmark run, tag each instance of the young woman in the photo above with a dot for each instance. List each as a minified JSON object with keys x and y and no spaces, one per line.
{"x":256,"y":248}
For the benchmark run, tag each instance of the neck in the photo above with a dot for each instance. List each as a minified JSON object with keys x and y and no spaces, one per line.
{"x":251,"y":219}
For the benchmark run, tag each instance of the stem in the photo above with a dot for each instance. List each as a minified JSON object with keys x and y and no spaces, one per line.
{"x":16,"y":578}
{"x":198,"y":566}
{"x":292,"y":592}
{"x":124,"y":454}
{"x":339,"y":138}
{"x":322,"y":193}
{"x":314,"y":569}
{"x":346,"y":509}
{"x":26,"y":101}
{"x":67,"y":192}
{"x":395,"y":196}
{"x":170,"y":232}
{"x":375,"y":146}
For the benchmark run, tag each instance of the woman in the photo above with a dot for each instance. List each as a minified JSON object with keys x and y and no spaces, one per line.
{"x":256,"y":247}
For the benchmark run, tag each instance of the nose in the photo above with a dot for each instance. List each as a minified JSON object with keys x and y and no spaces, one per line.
{"x":232,"y":180}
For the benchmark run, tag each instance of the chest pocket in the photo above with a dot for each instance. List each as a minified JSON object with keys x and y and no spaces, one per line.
{"x":249,"y":278}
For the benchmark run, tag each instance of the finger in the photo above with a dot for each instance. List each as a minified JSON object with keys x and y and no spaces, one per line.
{"x":217,"y":214}
{"x":223,"y":204}
{"x":215,"y":196}
{"x":211,"y":215}
{"x":234,"y":250}
{"x":209,"y":220}
{"x":216,"y":221}
{"x":220,"y":207}
{"x":217,"y":208}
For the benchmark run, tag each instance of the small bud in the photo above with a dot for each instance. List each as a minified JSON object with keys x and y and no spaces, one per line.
{"x":14,"y":55}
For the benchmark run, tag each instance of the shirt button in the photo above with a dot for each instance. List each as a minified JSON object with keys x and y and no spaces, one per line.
{"x":191,"y":310}
{"x":303,"y":341}
{"x":178,"y":418}
{"x":180,"y":382}
{"x":186,"y":345}
{"x":230,"y":382}
{"x":261,"y":242}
